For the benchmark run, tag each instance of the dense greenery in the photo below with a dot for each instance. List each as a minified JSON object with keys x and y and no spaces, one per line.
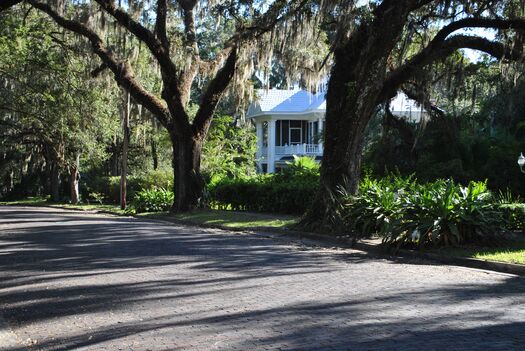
{"x":288,"y":192}
{"x":476,"y":146}
{"x":402,"y":210}
{"x":153,"y":200}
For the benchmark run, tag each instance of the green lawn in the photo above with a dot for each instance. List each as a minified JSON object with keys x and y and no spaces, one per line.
{"x":231,"y":219}
{"x":512,"y":252}
{"x":41,"y":201}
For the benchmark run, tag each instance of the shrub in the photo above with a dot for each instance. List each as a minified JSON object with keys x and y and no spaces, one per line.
{"x":514,"y":215}
{"x":278,"y":193}
{"x":402,"y":211}
{"x":152,"y":200}
{"x":304,"y":165}
{"x":109,"y":186}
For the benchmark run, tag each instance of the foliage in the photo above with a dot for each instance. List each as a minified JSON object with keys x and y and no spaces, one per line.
{"x":51,"y":111}
{"x":514,"y":215}
{"x":109,"y":186}
{"x":153,"y":200}
{"x":302,"y":166}
{"x":277,"y":193}
{"x":438,"y":213}
{"x":229,"y":150}
{"x":466,"y":147}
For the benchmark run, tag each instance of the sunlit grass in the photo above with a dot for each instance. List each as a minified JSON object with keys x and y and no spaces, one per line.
{"x":43,"y":201}
{"x":232,"y":219}
{"x":511,"y":252}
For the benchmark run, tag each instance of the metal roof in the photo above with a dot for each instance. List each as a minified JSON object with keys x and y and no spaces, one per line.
{"x":276,"y":101}
{"x":296,"y":101}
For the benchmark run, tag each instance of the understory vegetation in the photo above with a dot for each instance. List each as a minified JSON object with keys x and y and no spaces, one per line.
{"x":403,"y":211}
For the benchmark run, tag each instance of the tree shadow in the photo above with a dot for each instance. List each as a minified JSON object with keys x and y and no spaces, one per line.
{"x":81,"y":282}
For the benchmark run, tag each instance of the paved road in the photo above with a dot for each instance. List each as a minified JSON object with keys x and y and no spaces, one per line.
{"x":76,"y":281}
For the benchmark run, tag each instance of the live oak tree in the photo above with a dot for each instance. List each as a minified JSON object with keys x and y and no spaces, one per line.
{"x":171,"y":30}
{"x":371,"y":64}
{"x":51,"y":113}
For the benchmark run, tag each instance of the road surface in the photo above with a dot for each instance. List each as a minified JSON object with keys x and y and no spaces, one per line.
{"x":79,"y":281}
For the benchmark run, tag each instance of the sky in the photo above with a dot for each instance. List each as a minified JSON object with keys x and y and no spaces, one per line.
{"x":475,"y":55}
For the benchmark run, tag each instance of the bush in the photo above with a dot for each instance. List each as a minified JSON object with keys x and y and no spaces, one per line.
{"x":403,"y":212}
{"x":514,"y":215}
{"x":265,"y":193}
{"x":109,"y":187}
{"x":153,"y":200}
{"x":289,"y":192}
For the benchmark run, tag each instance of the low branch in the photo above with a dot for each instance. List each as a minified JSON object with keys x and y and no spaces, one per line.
{"x":493,"y":23}
{"x":423,"y":100}
{"x":440,"y":50}
{"x":160,"y":23}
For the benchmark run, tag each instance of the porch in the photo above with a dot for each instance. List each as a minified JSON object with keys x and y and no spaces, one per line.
{"x":296,"y":149}
{"x":278,"y":139}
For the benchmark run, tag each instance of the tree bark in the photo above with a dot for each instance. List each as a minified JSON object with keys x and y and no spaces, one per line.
{"x":74,"y":178}
{"x":354,"y":91}
{"x":54,"y":181}
{"x":188,"y":183}
{"x":125,"y":146}
{"x":154,"y":154}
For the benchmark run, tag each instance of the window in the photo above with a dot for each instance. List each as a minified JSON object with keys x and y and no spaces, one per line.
{"x":296,"y":136}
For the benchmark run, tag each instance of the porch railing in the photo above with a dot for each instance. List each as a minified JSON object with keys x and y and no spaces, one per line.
{"x":299,"y":149}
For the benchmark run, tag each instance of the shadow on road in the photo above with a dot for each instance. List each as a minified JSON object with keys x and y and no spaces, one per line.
{"x":56,"y":265}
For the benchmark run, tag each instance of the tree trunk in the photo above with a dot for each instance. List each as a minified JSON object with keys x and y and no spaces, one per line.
{"x":125,"y":146}
{"x":54,"y":181}
{"x":74,"y":178}
{"x":356,"y":82}
{"x":115,"y":150}
{"x":154,"y":154}
{"x":188,"y":182}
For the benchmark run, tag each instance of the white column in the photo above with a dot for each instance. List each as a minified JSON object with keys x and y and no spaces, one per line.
{"x":260,"y":144}
{"x":271,"y":147}
{"x":321,"y":132}
{"x":260,"y":136}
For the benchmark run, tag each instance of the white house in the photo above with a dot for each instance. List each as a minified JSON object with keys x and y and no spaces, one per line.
{"x":290,"y":122}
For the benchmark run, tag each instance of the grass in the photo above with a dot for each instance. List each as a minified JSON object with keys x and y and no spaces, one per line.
{"x":231,"y":219}
{"x":512,"y":252}
{"x":42,"y":201}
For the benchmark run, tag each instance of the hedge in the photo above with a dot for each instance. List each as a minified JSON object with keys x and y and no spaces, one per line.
{"x":265,"y":193}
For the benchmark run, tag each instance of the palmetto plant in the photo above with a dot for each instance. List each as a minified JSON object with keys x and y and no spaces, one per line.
{"x":441,"y":213}
{"x":153,"y":200}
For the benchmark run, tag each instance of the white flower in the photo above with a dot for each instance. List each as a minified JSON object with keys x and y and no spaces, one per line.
{"x":415,"y":235}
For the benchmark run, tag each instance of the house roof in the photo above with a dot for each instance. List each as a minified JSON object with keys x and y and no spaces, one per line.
{"x":276,"y":101}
